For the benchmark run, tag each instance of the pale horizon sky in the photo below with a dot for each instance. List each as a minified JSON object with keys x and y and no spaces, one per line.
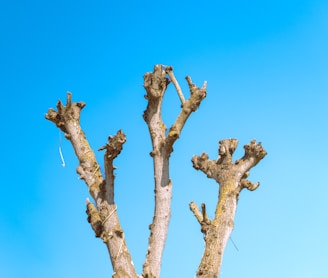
{"x":266,"y":66}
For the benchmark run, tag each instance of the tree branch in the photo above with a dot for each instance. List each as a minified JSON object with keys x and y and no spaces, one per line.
{"x":113,"y":149}
{"x":169,"y":71}
{"x":68,"y":120}
{"x":103,"y":217}
{"x":194,"y":208}
{"x":94,"y":218}
{"x":155,"y":84}
{"x":189,"y":106}
{"x":232,"y":178}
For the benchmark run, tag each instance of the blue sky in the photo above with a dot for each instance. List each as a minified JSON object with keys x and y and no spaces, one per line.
{"x":266,"y":65}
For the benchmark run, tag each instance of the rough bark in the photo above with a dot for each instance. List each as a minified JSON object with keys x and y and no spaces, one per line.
{"x":155,"y":84}
{"x":102,"y":215}
{"x":232,"y":178}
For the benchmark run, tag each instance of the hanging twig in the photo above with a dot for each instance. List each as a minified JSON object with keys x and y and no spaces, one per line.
{"x":234,"y":243}
{"x":60,"y":149}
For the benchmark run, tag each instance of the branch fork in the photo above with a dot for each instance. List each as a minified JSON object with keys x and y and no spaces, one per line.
{"x":102,"y":214}
{"x":231,"y":178}
{"x":155,"y":84}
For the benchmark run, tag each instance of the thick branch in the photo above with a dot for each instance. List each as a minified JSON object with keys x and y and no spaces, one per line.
{"x":253,"y":154}
{"x":68,"y":120}
{"x":155,"y":84}
{"x":232,"y":178}
{"x":103,"y":217}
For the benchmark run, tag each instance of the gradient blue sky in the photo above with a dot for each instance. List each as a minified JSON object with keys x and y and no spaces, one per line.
{"x":266,"y":65}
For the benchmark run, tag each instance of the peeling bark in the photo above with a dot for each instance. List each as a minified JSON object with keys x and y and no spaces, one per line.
{"x":232,"y":178}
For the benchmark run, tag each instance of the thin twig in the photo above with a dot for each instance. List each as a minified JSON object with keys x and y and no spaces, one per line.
{"x":60,"y":149}
{"x":169,"y":71}
{"x":234,"y":243}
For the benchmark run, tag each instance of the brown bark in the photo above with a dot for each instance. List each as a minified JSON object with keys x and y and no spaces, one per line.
{"x":232,"y":178}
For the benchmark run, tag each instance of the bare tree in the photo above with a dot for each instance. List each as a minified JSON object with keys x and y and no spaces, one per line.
{"x":102,"y":213}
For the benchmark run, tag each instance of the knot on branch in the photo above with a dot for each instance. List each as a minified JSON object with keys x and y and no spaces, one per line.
{"x":114,"y":145}
{"x":196,"y":96}
{"x":249,"y":185}
{"x":80,"y":171}
{"x":204,"y":164}
{"x":174,"y":132}
{"x":226,"y":148}
{"x":199,"y":161}
{"x":94,"y":219}
{"x":253,"y":150}
{"x":155,"y":83}
{"x":66,"y":113}
{"x":223,"y":169}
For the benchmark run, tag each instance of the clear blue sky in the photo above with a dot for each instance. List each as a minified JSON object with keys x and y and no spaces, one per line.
{"x":266,"y":65}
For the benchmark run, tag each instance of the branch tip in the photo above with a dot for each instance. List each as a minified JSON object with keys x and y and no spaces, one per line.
{"x":195,"y":210}
{"x":255,"y":149}
{"x":249,"y":185}
{"x":204,"y":213}
{"x":69,"y":99}
{"x":169,"y":71}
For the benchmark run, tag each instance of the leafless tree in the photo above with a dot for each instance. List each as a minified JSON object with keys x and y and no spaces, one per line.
{"x":102,"y":211}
